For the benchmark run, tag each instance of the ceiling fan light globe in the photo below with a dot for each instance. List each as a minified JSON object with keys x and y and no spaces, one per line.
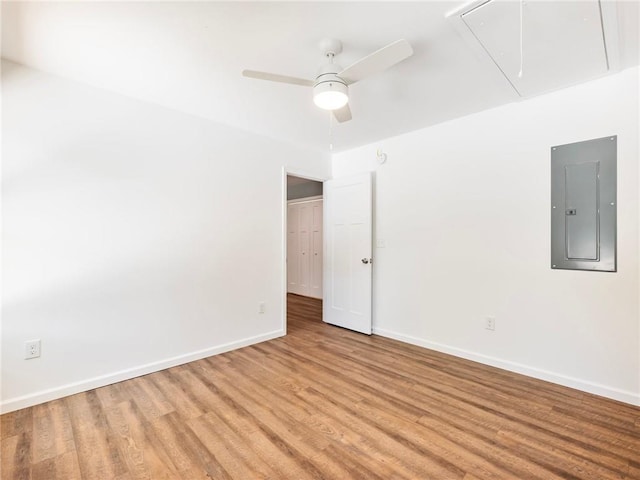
{"x":330,"y":95}
{"x":330,"y":100}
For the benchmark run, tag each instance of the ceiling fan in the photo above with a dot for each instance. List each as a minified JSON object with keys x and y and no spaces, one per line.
{"x":331,"y":85}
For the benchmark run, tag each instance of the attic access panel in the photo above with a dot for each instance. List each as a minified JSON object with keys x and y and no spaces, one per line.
{"x":564,"y":42}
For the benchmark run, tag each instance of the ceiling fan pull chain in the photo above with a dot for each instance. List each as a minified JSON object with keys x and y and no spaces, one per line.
{"x":330,"y":130}
{"x":521,"y":49}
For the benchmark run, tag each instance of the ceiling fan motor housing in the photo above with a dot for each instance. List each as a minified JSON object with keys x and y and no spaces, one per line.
{"x":330,"y":92}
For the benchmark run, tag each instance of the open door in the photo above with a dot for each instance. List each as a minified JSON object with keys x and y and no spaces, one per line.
{"x":347,"y":253}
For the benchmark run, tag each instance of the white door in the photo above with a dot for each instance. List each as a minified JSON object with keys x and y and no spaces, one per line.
{"x":304,"y":228}
{"x":293,"y":262}
{"x":347,"y":233}
{"x":315,"y":247}
{"x":304,"y":248}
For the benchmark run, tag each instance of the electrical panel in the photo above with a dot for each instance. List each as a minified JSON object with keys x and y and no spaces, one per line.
{"x":583,"y":205}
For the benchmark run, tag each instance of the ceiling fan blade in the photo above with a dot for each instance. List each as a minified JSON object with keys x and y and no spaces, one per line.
{"x":277,"y":78}
{"x":342,"y":114}
{"x":376,"y":62}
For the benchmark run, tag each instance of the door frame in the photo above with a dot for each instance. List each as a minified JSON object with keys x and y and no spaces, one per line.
{"x":296,"y":172}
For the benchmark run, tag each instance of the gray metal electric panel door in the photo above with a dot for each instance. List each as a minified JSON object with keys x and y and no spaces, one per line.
{"x":583,"y":205}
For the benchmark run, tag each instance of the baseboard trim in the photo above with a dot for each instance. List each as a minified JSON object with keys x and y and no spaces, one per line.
{"x":578,"y":384}
{"x":42,"y":396}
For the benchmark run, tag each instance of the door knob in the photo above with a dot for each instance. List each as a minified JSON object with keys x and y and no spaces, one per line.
{"x":365,"y":260}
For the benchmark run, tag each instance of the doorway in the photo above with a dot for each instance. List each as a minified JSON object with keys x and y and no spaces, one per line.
{"x":344,"y":273}
{"x":304,"y":249}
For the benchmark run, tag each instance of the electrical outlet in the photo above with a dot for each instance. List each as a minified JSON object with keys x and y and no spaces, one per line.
{"x":490,"y":323}
{"x":31,"y":349}
{"x":261,"y":307}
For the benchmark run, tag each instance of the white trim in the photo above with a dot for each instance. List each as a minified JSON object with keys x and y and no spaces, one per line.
{"x":283,"y":250}
{"x":583,"y":385}
{"x":25,"y":401}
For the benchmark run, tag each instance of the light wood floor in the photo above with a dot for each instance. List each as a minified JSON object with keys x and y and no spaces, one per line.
{"x":325,"y":403}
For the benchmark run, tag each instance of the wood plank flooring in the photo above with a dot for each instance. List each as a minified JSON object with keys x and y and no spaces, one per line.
{"x":325,"y":403}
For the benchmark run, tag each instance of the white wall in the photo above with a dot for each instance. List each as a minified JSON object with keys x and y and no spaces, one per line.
{"x":464,"y":210}
{"x":134,"y":237}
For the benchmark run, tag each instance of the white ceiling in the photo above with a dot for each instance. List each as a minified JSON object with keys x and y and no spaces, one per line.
{"x":189,"y":56}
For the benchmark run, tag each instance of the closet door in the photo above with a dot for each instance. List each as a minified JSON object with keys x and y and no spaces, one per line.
{"x":304,"y":241}
{"x":304,"y":248}
{"x":292,"y":249}
{"x":315,"y":283}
